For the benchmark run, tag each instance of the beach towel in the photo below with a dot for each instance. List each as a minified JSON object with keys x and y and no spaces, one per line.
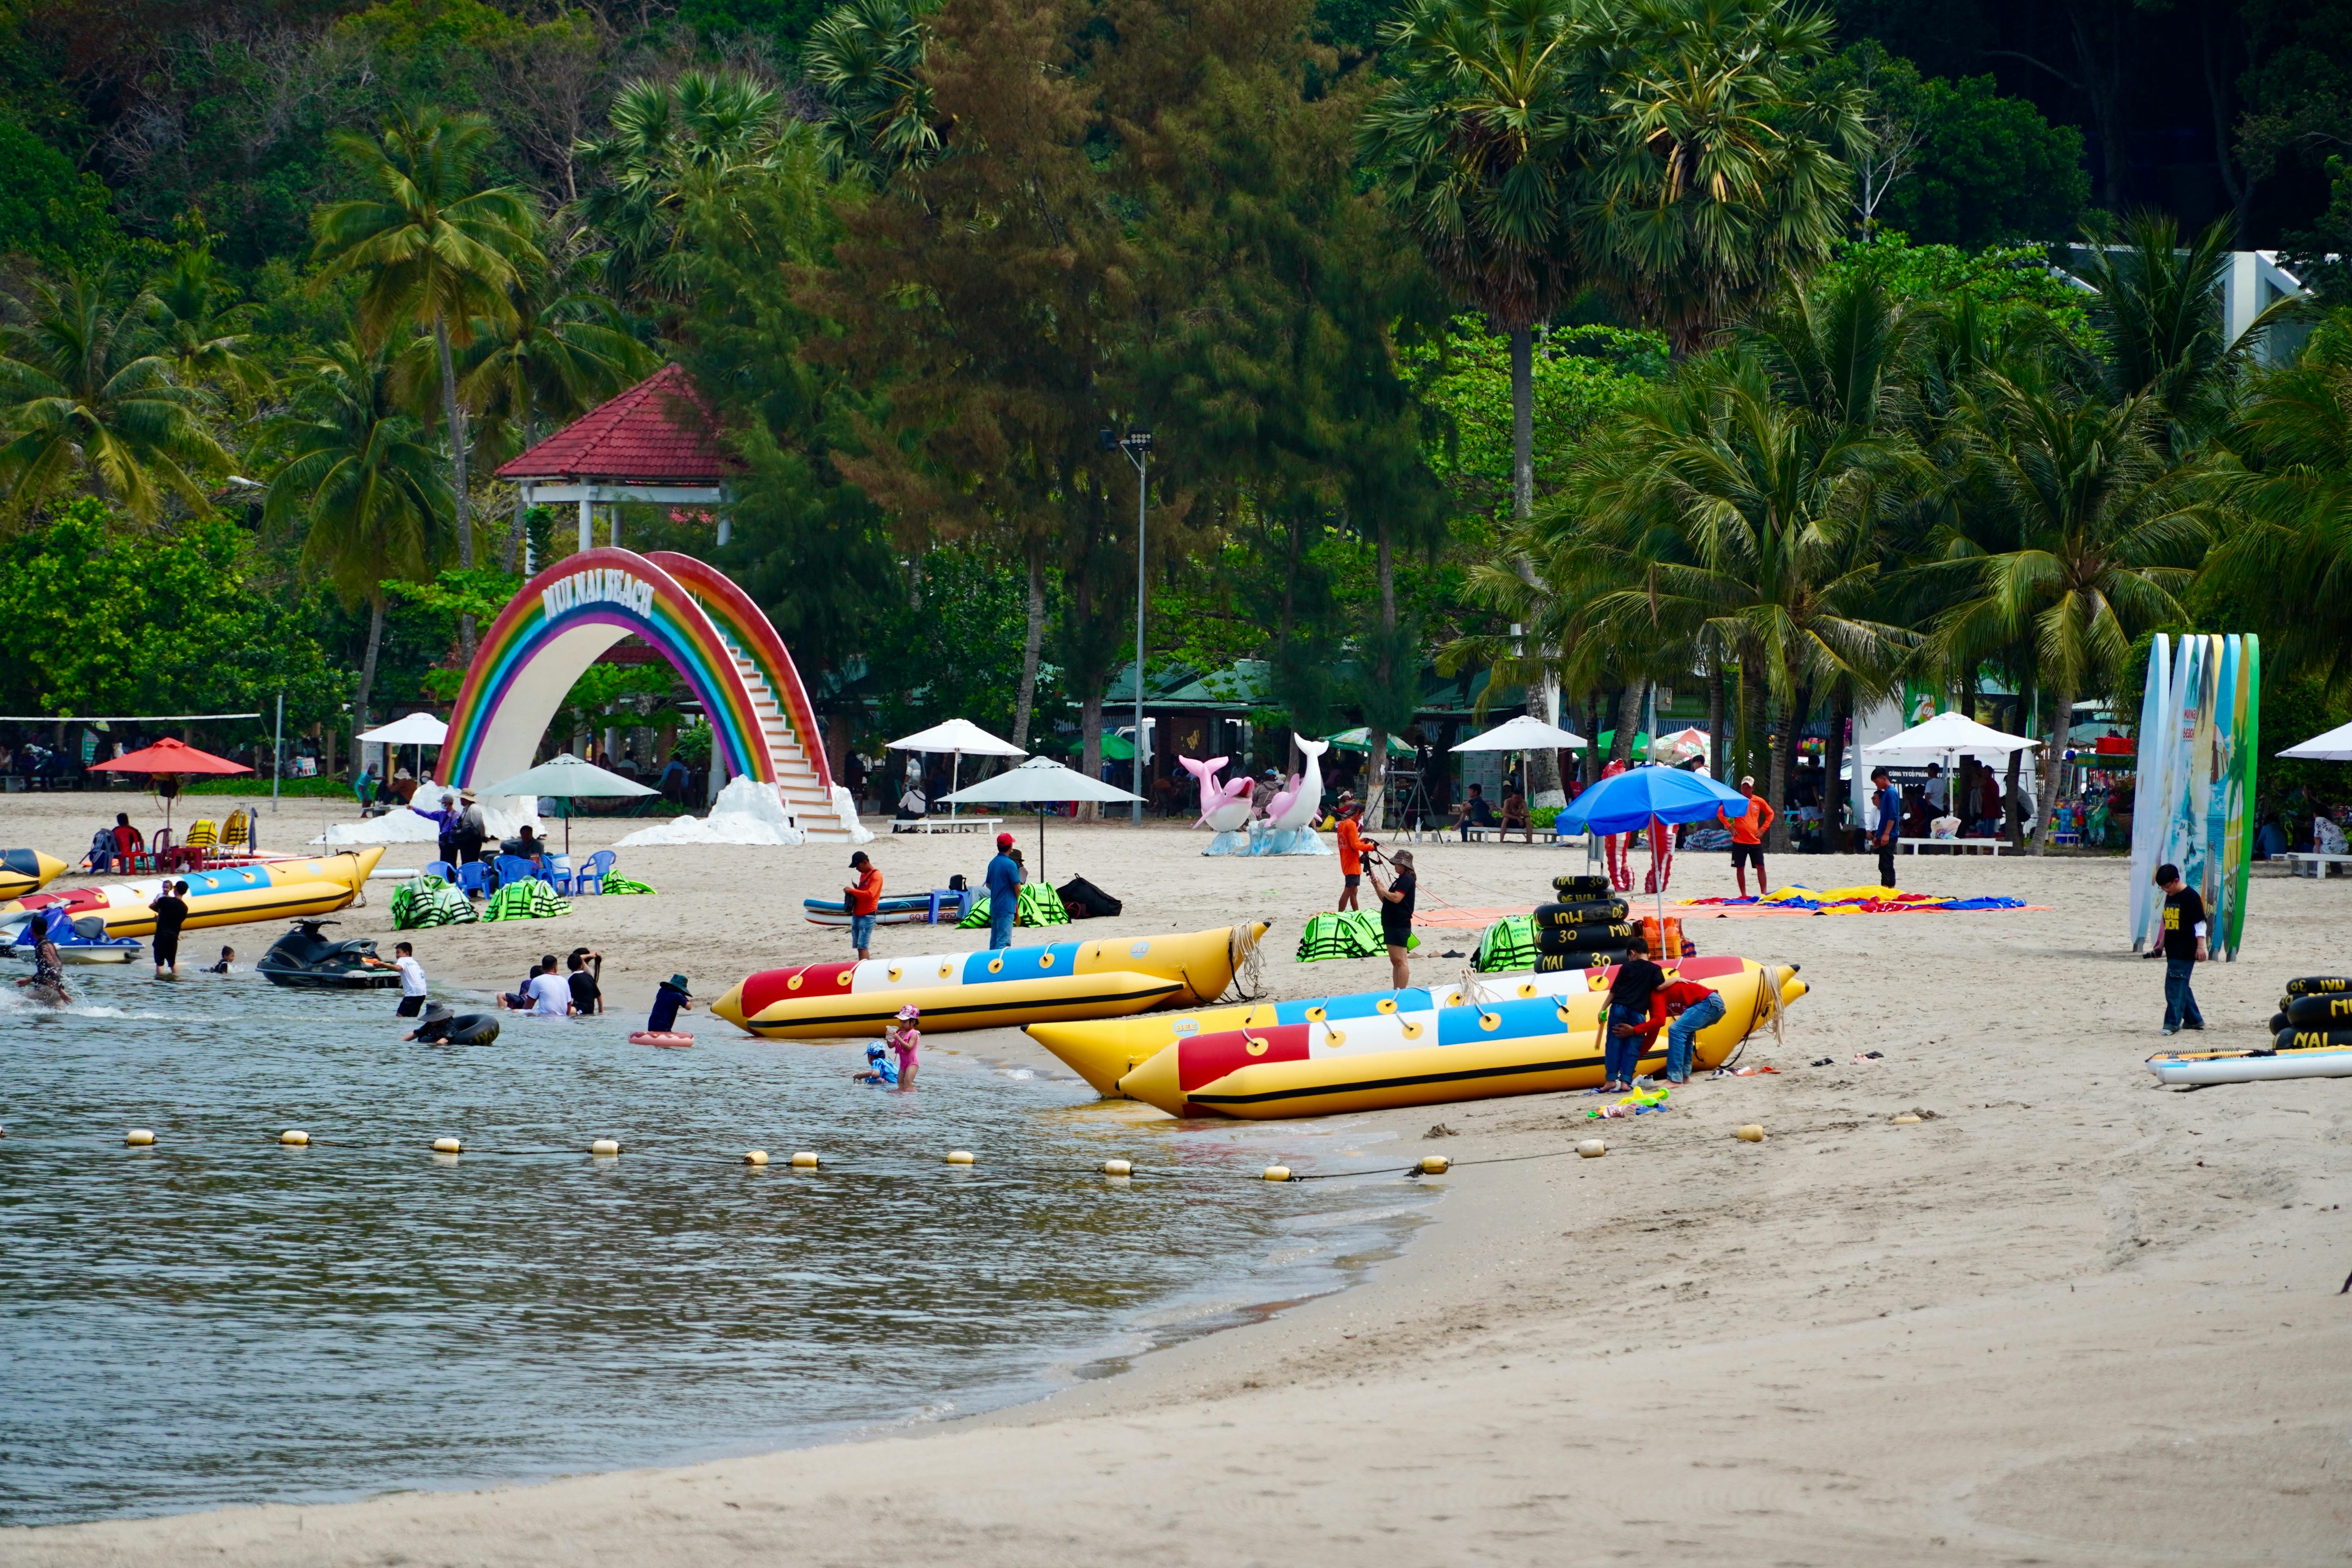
{"x":527,"y":899}
{"x":430,"y":901}
{"x":1509,"y":943}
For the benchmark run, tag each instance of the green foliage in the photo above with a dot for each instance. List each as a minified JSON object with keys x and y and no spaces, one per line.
{"x":1997,"y":279}
{"x":50,"y":213}
{"x":957,"y":654}
{"x":1991,"y":170}
{"x":176,"y":623}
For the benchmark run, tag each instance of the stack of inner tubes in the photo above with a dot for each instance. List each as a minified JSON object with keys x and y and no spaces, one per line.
{"x":2316,"y":1011}
{"x":1587,"y":926}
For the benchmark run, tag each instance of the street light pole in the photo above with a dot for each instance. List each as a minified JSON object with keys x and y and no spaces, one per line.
{"x":1138,"y":447}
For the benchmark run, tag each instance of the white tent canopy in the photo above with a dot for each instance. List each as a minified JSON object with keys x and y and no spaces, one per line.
{"x":2335,"y":746}
{"x":1525,"y":733}
{"x":961,"y":736}
{"x":417,"y":730}
{"x":1942,"y":738}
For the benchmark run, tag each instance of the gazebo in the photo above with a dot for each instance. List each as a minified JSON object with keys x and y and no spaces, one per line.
{"x":657,"y":442}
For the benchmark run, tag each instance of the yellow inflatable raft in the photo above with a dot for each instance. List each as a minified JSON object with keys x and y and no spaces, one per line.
{"x":1389,"y":1056}
{"x":24,"y":871}
{"x":240,"y":895}
{"x":981,"y":990}
{"x":1104,"y":1052}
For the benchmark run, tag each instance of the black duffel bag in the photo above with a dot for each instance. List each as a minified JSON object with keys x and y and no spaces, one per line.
{"x":2320,"y":986}
{"x":1581,"y":887}
{"x":1560,"y":962}
{"x":2318,"y":1013}
{"x":1085,"y":901}
{"x":1582,"y":939}
{"x":1592,"y":911}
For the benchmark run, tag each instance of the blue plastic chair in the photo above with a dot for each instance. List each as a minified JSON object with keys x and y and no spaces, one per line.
{"x":441,"y":868}
{"x":513,"y":869}
{"x":591,"y":877}
{"x":474,"y":879}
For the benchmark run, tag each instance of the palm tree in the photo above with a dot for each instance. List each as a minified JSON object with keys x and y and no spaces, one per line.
{"x":436,"y":248}
{"x":700,"y":130}
{"x":561,"y":350}
{"x":866,"y":59}
{"x":87,"y":395}
{"x":2096,"y":534}
{"x":202,"y":331}
{"x":363,"y":482}
{"x":1720,"y":168}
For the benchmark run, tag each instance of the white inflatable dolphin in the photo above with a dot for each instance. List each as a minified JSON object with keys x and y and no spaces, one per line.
{"x":1225,"y":806}
{"x":1296,"y":806}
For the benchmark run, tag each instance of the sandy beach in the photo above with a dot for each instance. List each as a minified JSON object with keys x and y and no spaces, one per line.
{"x":2071,"y":1317}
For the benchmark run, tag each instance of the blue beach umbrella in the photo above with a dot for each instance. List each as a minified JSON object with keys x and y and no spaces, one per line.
{"x":1640,"y":797}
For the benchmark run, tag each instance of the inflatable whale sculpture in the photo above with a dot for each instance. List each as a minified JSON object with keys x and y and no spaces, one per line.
{"x":1224,"y":807}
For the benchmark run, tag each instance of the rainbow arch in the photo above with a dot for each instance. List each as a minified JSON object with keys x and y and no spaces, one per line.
{"x":564,"y":619}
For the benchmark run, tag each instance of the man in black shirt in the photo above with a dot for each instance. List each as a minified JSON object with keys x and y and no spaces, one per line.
{"x":1396,"y":915}
{"x":587,"y":966}
{"x":2184,"y":944}
{"x":170,"y":913}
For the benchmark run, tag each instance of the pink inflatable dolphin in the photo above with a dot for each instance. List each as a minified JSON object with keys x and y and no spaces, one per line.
{"x":1225,"y":806}
{"x":1295,"y":806}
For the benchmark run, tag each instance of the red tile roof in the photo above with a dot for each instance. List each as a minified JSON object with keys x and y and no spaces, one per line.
{"x":661,"y":431}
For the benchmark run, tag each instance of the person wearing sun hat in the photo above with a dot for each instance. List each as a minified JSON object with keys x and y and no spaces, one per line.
{"x":1004,"y":893}
{"x":903,"y":1041}
{"x":669,"y":997}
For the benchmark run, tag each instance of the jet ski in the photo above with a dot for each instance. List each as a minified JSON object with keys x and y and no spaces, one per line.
{"x":304,"y":959}
{"x":82,"y":940}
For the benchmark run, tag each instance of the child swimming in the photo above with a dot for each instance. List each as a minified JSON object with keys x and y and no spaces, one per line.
{"x":879,"y":1070}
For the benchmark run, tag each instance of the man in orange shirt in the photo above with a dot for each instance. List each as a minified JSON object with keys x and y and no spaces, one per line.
{"x":862,"y":899}
{"x":1747,"y":831}
{"x":1353,"y":843}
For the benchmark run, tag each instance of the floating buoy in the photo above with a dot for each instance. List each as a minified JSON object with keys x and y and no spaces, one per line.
{"x":1278,"y":1172}
{"x":1436,"y":1164}
{"x":139,"y":1137}
{"x":1906,"y":1119}
{"x":605,"y":1146}
{"x":448,"y":1146}
{"x":1117,"y":1168}
{"x":756,"y":1157}
{"x":295,"y":1137}
{"x":958,"y":1156}
{"x":1592,"y":1148}
{"x":1751,"y":1133}
{"x":804,"y":1161}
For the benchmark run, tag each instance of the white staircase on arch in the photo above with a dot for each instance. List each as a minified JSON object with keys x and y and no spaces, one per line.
{"x":816,"y":813}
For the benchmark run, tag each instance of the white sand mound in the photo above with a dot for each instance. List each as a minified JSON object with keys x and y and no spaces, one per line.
{"x":407,"y":827}
{"x":748,"y":811}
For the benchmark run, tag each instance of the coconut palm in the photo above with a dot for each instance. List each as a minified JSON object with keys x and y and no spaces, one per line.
{"x":668,"y":140}
{"x":1720,"y":167}
{"x":2096,"y":531}
{"x":362,"y":482}
{"x":866,"y":59}
{"x":202,"y":329}
{"x":88,"y":397}
{"x":437,"y":249}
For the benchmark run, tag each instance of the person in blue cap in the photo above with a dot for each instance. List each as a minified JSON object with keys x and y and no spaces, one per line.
{"x":879,"y":1069}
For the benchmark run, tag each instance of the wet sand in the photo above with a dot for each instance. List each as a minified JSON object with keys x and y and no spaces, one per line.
{"x":2073,"y":1317}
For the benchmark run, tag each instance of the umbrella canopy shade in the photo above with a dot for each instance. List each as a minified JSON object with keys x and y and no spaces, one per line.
{"x":1360,"y":739}
{"x":2335,"y":746}
{"x":568,"y":777}
{"x":1525,"y":733}
{"x":1945,"y":735}
{"x":958,"y":735}
{"x":1626,"y":804}
{"x":1036,"y":782}
{"x":172,"y":757}
{"x":417,"y":730}
{"x":1682,"y":746}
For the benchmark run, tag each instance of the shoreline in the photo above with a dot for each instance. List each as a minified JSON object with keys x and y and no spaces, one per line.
{"x":2073,"y":1316}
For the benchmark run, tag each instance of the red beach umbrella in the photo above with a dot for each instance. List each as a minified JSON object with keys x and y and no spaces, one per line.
{"x":170,"y":759}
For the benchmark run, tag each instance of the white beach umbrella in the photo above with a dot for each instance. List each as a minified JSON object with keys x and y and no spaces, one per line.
{"x":569,"y":777}
{"x":2335,"y":746}
{"x":417,"y":730}
{"x":1947,"y":738}
{"x":960,"y":738}
{"x":1037,"y":781}
{"x":1525,"y":733}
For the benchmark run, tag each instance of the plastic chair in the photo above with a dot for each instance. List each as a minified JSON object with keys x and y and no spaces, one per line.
{"x":474,"y":879}
{"x":593,"y":873}
{"x":513,"y":869}
{"x":160,"y":854}
{"x":441,"y":868}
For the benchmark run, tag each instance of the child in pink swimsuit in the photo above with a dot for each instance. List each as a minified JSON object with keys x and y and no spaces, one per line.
{"x":905,"y":1041}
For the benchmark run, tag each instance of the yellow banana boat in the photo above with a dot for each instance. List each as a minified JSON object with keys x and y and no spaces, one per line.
{"x":239,"y":895}
{"x":981,"y":990}
{"x":26,"y":871}
{"x":1106,"y":1051}
{"x":1390,"y":1058}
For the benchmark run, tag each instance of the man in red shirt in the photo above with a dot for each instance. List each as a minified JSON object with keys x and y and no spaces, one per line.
{"x":1352,"y":843}
{"x":1691,"y":1007}
{"x":1747,"y":831}
{"x":862,"y":899}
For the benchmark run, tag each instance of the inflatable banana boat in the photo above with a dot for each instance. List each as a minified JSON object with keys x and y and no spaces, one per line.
{"x":982,"y":990}
{"x":1104,"y":1052}
{"x":1385,"y":1056}
{"x":266,"y":890}
{"x":26,"y":871}
{"x":2332,"y":1060}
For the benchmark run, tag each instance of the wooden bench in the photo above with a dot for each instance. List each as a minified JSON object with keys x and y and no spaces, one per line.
{"x":2297,"y":860}
{"x":1992,"y":846}
{"x":947,"y":825}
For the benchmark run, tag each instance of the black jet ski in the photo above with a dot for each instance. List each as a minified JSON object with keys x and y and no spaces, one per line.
{"x":304,"y":958}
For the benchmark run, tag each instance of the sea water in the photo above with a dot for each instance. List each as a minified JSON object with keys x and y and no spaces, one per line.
{"x":222,"y":1319}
